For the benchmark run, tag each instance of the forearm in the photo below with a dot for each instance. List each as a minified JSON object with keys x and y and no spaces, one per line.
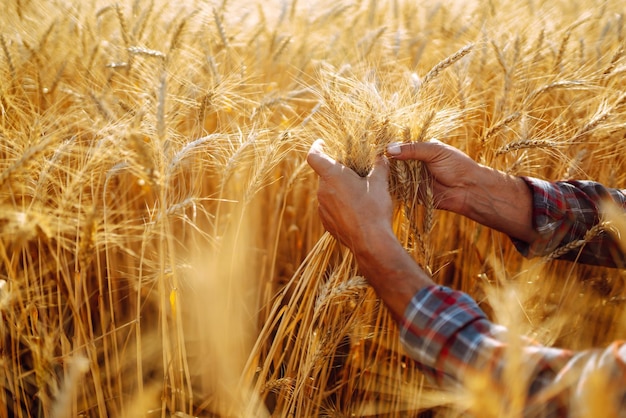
{"x":549,"y":381}
{"x":390,"y":270}
{"x":501,"y":202}
{"x":456,"y":345}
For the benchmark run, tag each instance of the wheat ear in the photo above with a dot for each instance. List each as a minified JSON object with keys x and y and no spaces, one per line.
{"x":527,"y":143}
{"x":7,"y":54}
{"x":442,"y":65}
{"x":589,"y":235}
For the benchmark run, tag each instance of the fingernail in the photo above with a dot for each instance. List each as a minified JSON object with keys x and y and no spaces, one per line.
{"x":393,"y":149}
{"x":318,"y":144}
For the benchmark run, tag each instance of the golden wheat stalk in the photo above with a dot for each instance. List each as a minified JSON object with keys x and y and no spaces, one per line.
{"x":525,"y":144}
{"x":445,"y":63}
{"x":168,"y":130}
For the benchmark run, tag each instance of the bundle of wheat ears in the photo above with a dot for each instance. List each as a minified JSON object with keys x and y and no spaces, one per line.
{"x":160,"y":249}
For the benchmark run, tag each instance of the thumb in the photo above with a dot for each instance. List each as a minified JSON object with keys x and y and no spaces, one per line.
{"x":380,"y":171}
{"x":422,"y":151}
{"x":319,"y":161}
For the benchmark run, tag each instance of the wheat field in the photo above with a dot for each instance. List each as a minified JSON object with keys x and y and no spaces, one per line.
{"x":160,"y":250}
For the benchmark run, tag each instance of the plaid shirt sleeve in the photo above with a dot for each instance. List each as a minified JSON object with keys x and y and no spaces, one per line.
{"x":456,"y":346}
{"x":563,"y":212}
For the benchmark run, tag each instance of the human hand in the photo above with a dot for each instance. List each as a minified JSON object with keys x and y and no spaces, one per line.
{"x":488,"y":196}
{"x":453,"y":172}
{"x":354,"y":209}
{"x":358,"y":211}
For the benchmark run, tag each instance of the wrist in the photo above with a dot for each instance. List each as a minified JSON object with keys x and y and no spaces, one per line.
{"x":471,"y":186}
{"x":502,"y":202}
{"x":375,"y":246}
{"x":390,"y":270}
{"x":481,"y":189}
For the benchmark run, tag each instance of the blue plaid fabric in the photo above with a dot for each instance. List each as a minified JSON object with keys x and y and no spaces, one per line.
{"x":563,"y":212}
{"x":456,"y":346}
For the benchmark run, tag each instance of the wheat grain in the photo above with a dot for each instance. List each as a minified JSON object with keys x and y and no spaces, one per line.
{"x":220,"y":28}
{"x":591,"y":233}
{"x":281,"y":47}
{"x":160,"y":109}
{"x":508,"y":76}
{"x":100,"y":106}
{"x":500,"y":57}
{"x":7,"y":55}
{"x":581,"y":51}
{"x":94,"y":252}
{"x":501,"y":125}
{"x":567,"y":84}
{"x":138,"y":50}
{"x":115,"y":65}
{"x":367,"y":44}
{"x":399,"y":181}
{"x":55,"y":82}
{"x":525,"y":144}
{"x":539,"y":46}
{"x":442,"y":65}
{"x":142,"y":21}
{"x":279,"y":385}
{"x":177,"y":35}
{"x":614,"y":59}
{"x":190,"y":147}
{"x":421,"y":137}
{"x":573,"y":169}
{"x":602,"y":114}
{"x":333,"y":13}
{"x":87,"y":240}
{"x":564,"y":41}
{"x":123,"y":26}
{"x":332,"y":291}
{"x":27,"y":157}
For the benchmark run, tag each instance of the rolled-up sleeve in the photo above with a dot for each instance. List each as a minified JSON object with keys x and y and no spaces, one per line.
{"x":456,"y":346}
{"x":442,"y":330}
{"x":563,"y":212}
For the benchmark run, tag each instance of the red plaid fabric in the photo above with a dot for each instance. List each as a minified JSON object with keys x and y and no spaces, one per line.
{"x":563,"y":212}
{"x":456,"y":346}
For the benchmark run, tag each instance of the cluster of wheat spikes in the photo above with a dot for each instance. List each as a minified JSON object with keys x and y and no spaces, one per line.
{"x":160,"y":251}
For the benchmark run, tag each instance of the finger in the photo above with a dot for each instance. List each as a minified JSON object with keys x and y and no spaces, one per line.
{"x":422,"y":151}
{"x":319,"y":161}
{"x":380,"y":171}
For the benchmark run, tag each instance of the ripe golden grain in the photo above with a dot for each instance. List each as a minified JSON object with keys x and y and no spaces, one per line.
{"x":159,"y":221}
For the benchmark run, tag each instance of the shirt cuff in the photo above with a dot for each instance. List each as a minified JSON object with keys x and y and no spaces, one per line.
{"x":550,"y":218}
{"x":431,"y":328}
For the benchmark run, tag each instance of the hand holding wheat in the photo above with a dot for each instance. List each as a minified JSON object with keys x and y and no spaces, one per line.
{"x":488,"y":196}
{"x":453,"y":172}
{"x":353,"y":209}
{"x":357,"y":211}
